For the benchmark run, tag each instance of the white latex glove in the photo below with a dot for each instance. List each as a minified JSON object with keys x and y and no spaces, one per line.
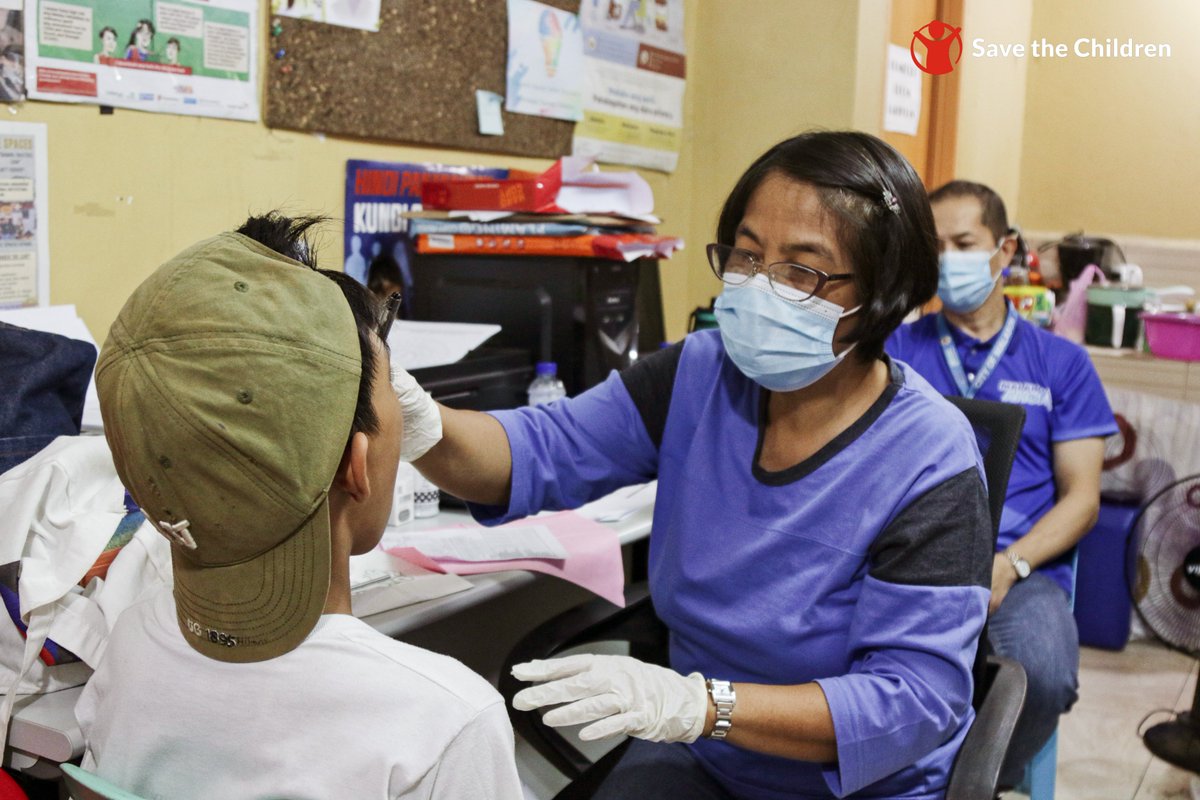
{"x":626,"y":696}
{"x":422,"y":419}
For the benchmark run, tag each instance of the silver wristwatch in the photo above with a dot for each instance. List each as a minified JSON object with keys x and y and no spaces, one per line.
{"x":1019,"y":564}
{"x":724,"y":698}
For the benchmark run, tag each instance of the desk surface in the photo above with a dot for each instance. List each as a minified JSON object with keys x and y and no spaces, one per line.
{"x":43,"y":726}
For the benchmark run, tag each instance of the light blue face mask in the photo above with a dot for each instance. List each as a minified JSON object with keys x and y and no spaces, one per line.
{"x":780,"y":344}
{"x":965,"y":278}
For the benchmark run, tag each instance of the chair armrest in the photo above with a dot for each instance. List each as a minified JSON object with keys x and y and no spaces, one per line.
{"x":977,"y":767}
{"x":594,"y":621}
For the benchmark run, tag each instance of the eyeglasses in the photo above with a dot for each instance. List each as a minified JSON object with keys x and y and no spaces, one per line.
{"x":792,"y":282}
{"x":390,"y":308}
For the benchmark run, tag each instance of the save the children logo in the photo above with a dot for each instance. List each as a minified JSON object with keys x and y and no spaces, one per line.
{"x":938,"y":40}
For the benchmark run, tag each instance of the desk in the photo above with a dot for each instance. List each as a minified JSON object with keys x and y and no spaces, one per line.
{"x":1142,"y":372}
{"x":44,"y":728}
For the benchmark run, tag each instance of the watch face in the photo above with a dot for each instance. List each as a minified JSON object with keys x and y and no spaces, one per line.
{"x":1022,"y":567}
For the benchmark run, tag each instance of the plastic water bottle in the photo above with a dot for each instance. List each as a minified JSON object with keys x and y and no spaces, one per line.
{"x":546,"y":387}
{"x":426,"y":497}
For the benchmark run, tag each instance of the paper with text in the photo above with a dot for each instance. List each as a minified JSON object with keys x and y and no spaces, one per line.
{"x":593,"y":555}
{"x":480,"y":544}
{"x":381,"y":582}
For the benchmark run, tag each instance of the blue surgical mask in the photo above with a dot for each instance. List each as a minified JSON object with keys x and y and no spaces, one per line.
{"x":965,"y":278}
{"x":779,"y":343}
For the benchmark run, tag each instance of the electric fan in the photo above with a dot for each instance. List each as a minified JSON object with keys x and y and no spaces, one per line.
{"x":1166,"y":594}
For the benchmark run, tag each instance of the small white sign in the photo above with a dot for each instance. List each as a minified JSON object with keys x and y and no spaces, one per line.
{"x":902,"y":92}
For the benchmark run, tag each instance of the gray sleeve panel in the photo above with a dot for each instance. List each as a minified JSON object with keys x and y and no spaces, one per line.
{"x":943,"y":538}
{"x":649,"y":382}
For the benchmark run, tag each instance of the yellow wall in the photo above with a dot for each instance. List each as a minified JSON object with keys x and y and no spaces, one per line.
{"x":1113,"y":145}
{"x":763,"y":70}
{"x":991,"y":103}
{"x":127,"y":191}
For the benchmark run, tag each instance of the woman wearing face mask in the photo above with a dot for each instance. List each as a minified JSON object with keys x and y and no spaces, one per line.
{"x":821,"y":541}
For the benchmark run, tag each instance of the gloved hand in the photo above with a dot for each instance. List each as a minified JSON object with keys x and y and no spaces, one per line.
{"x":626,"y":696}
{"x":422,"y":419}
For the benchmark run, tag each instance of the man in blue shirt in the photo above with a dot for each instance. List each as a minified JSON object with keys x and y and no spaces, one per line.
{"x":977,"y":346}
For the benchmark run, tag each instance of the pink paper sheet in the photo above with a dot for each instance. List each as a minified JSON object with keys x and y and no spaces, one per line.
{"x":593,"y":556}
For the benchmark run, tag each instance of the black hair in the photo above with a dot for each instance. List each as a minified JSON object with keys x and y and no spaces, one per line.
{"x":883,"y":221}
{"x":108,"y":28}
{"x":289,"y":237}
{"x":133,"y":33}
{"x":383,"y":270}
{"x":993,"y":215}
{"x":174,"y":41}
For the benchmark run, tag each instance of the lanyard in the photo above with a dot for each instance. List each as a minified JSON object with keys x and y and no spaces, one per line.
{"x":950,"y":353}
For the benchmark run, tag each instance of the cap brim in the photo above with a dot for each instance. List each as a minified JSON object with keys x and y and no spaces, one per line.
{"x":261,"y":608}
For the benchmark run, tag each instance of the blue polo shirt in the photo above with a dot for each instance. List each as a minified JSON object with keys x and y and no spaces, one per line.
{"x":1052,"y":378}
{"x":863,"y":568}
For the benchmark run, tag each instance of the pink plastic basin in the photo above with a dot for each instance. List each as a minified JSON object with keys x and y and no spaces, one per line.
{"x":1174,"y":336}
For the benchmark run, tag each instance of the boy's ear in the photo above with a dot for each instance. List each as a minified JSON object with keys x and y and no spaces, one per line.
{"x":352,"y":476}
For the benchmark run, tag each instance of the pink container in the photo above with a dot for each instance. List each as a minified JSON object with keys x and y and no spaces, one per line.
{"x":1174,"y":336}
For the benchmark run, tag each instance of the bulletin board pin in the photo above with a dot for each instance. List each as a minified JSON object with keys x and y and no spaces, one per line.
{"x":280,"y":53}
{"x":276,"y":27}
{"x":286,"y":69}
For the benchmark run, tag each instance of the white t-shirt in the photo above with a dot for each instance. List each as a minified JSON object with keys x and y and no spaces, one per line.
{"x":350,"y":713}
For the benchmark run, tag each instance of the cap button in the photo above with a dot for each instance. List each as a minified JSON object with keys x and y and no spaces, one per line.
{"x":244,"y":396}
{"x":242,"y":286}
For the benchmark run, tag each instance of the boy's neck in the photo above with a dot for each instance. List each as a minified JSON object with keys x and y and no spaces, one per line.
{"x":337,"y":599}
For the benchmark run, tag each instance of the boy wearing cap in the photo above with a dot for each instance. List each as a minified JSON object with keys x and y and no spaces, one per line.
{"x":246,"y":400}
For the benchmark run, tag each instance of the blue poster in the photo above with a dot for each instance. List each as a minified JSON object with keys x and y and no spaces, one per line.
{"x":377,"y":248}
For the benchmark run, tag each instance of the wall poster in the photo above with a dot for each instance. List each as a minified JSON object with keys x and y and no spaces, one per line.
{"x":24,"y":235}
{"x":634,"y":75}
{"x":196,"y":57}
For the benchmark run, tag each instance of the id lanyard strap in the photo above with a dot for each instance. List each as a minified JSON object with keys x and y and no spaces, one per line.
{"x":950,"y":353}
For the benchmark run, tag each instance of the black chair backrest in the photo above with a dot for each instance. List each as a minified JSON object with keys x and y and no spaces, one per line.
{"x":997,"y":430}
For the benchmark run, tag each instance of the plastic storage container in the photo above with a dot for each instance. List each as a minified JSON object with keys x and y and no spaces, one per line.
{"x":1174,"y":336}
{"x":1102,"y":605}
{"x":1112,"y":315}
{"x":546,"y":387}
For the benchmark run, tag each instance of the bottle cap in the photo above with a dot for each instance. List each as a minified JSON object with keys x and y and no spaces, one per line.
{"x":547,"y":368}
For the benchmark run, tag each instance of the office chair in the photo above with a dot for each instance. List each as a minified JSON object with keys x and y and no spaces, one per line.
{"x":999,"y":682}
{"x":83,"y":785}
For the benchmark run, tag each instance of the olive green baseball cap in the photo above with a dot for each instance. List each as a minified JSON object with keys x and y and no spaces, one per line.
{"x":228,"y":385}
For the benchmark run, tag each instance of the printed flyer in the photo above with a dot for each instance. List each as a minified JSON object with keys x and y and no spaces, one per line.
{"x":377,"y":245}
{"x":195,"y":57}
{"x":12,"y":51}
{"x":361,"y":14}
{"x":24,"y":240}
{"x":545,"y":61}
{"x":634,"y":74}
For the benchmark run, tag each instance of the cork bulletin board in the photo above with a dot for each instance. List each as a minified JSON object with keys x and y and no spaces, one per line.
{"x":413,"y":81}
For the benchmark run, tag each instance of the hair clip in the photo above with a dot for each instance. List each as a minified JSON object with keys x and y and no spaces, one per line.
{"x":890,"y":201}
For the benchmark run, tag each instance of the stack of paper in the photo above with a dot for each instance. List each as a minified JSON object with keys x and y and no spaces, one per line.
{"x":569,"y":210}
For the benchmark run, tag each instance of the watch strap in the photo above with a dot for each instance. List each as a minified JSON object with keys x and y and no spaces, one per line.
{"x":724,"y":698}
{"x":1020,"y":565}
